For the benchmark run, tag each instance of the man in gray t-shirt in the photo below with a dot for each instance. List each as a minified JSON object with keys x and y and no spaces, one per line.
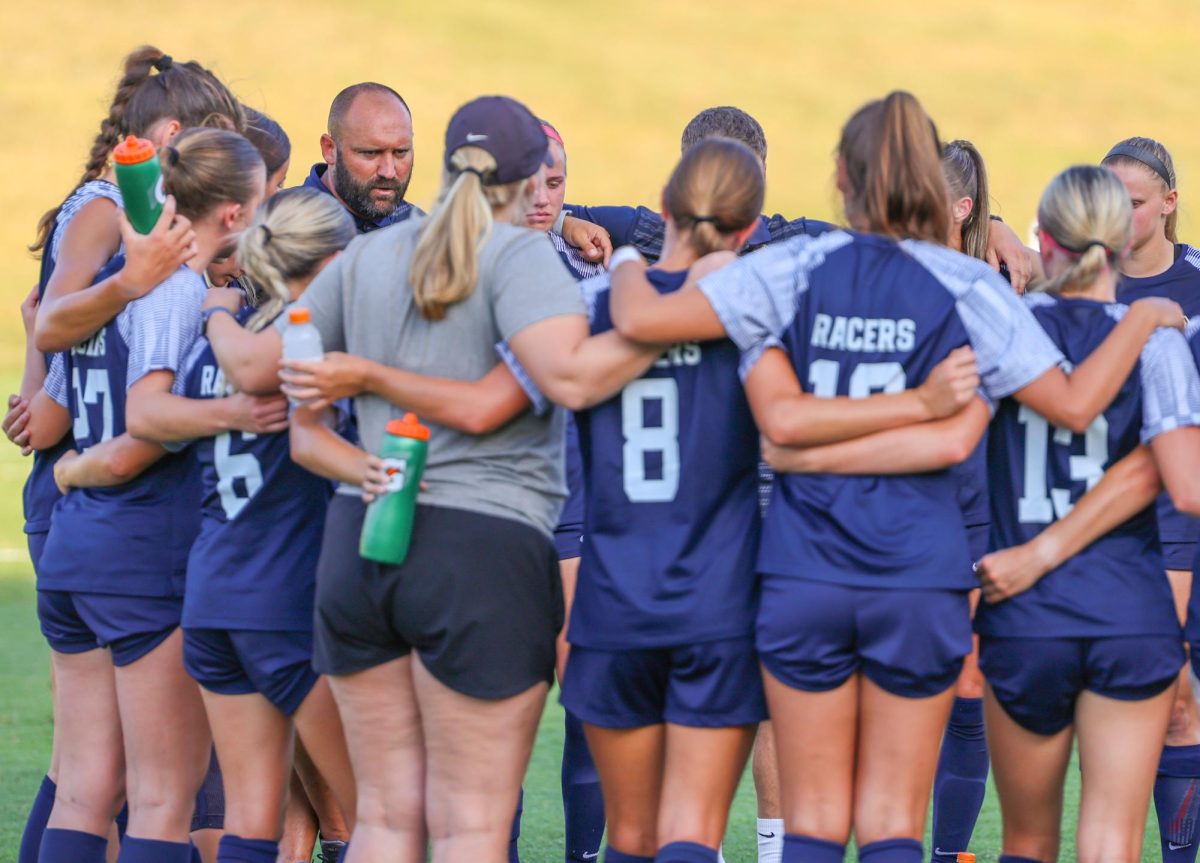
{"x":363,"y":304}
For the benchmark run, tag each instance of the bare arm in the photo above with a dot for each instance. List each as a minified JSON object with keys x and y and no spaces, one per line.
{"x":48,"y":421}
{"x":1126,"y":488}
{"x":318,"y":448}
{"x":1074,"y":401}
{"x":73,"y":308}
{"x":153,"y":413}
{"x":249,"y":361}
{"x":642,"y":314}
{"x":113,"y":462}
{"x":914,"y":448}
{"x":575,"y":370}
{"x":16,"y":419}
{"x":1177,"y":455}
{"x":474,"y":407}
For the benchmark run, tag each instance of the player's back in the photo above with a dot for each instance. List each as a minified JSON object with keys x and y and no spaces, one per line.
{"x":672,"y":521}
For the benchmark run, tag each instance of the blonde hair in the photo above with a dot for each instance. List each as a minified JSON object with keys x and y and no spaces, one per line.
{"x":1158,"y":151}
{"x":715,"y":190}
{"x":445,"y":262}
{"x":292,"y":233}
{"x":205,"y":167}
{"x":1086,"y":211}
{"x":966,"y":177}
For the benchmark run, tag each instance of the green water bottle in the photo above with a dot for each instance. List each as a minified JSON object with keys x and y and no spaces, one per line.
{"x":387,"y":528}
{"x":140,"y":178}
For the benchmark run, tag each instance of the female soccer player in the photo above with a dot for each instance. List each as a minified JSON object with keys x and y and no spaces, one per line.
{"x":113,"y":565}
{"x":154,"y":97}
{"x":864,"y":617}
{"x":259,"y":539}
{"x":1158,"y":265}
{"x":1095,"y":643}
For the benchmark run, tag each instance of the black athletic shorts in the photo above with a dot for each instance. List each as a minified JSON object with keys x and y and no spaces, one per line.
{"x":479,"y":598}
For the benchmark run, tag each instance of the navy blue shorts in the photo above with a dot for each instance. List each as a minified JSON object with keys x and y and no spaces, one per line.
{"x":278,"y":665}
{"x":130,"y":626}
{"x":1179,"y":555}
{"x":813,"y":635}
{"x":712,"y":685}
{"x":1037,"y":680}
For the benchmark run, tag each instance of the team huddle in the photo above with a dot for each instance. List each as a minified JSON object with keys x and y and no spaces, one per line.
{"x":881,"y":507}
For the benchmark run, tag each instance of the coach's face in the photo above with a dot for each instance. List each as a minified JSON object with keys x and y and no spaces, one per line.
{"x":371,"y":155}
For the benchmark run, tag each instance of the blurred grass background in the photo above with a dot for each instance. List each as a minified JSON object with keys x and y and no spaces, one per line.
{"x":1036,"y":85}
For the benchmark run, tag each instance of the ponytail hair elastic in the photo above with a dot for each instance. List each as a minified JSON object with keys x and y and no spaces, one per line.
{"x":163,"y":63}
{"x":266,"y":232}
{"x":172,"y":156}
{"x":478,"y":173}
{"x":712,"y":220}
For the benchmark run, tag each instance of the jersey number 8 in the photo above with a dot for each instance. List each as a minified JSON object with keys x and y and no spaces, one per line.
{"x":641,"y":439}
{"x":230,"y":468}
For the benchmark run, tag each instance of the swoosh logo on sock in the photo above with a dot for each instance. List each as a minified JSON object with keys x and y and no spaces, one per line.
{"x":767,"y":835}
{"x":938,"y":852}
{"x":592,"y":856}
{"x":1171,"y":846}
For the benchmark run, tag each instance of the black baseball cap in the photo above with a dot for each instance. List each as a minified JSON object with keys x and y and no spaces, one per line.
{"x":504,"y":128}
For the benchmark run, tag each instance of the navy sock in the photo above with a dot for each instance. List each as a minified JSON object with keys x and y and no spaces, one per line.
{"x":134,"y":850}
{"x":1177,"y":802}
{"x":35,"y":824}
{"x":583,"y":801}
{"x":892,"y":851}
{"x":961,"y":781}
{"x":1012,"y":858}
{"x":122,"y":822}
{"x":809,"y":849}
{"x":612,"y":855}
{"x":333,"y":850}
{"x":685,"y":852}
{"x":514,"y":853}
{"x":235,"y":849}
{"x":196,"y":858}
{"x":72,"y":846}
{"x":209,"y":813}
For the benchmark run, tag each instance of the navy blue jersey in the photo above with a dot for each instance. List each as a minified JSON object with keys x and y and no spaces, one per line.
{"x":254,"y":563}
{"x":404,"y":210}
{"x":40,"y":493}
{"x":130,"y":539}
{"x":1181,"y":283}
{"x":860,"y":314}
{"x":1115,"y":586}
{"x":671,"y":518}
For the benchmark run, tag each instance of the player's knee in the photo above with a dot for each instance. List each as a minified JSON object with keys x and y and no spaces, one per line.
{"x":89,"y":798}
{"x":640,"y":840}
{"x":1033,"y":846}
{"x":1184,"y":721}
{"x":691,"y":824}
{"x":391,"y":809}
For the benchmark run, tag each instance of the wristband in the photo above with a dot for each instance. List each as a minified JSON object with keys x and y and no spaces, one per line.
{"x":207,"y":316}
{"x":624,"y":255}
{"x":560,"y":221}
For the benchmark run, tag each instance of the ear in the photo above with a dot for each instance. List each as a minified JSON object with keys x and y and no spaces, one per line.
{"x":1170,"y":202}
{"x":962,"y":210}
{"x":328,"y":149}
{"x":842,"y":176}
{"x":740,"y":238}
{"x":164,"y":132}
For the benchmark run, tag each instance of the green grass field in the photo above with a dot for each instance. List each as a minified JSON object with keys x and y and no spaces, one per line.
{"x":1036,"y":85}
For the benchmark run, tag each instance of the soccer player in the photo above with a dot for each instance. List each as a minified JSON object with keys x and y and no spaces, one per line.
{"x":1159,"y":265}
{"x":155,"y":97}
{"x":1093,"y":645}
{"x":112,"y":567}
{"x":259,"y":539}
{"x":864,"y":617}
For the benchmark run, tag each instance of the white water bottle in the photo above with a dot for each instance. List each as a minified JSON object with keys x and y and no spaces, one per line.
{"x":301,"y":340}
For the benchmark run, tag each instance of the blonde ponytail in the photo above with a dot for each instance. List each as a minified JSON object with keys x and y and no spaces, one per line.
{"x":1086,"y":211}
{"x":445,"y":262}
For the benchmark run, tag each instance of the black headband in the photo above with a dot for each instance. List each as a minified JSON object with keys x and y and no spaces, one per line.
{"x":1147,"y":158}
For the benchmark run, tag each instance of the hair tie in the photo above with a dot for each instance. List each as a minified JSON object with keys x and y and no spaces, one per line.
{"x":1147,"y":158}
{"x":712,"y":220}
{"x":163,"y":63}
{"x":266,"y":232}
{"x":478,"y":173}
{"x":1090,"y":243}
{"x":172,"y":156}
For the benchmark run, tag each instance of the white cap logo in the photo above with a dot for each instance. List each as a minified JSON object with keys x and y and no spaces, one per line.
{"x":472,"y":138}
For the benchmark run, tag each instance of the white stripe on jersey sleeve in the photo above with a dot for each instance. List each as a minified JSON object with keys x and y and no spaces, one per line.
{"x":85,"y":194}
{"x":591,"y":289}
{"x":755,"y":296}
{"x":1192,"y":256}
{"x":1170,"y":384}
{"x":161,"y":327}
{"x":536,"y":397}
{"x":55,"y":383}
{"x":1011,"y":349}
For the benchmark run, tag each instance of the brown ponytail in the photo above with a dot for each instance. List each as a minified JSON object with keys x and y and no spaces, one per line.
{"x":895,"y":185}
{"x":715,"y":190}
{"x":153,"y":87}
{"x":967,"y":178}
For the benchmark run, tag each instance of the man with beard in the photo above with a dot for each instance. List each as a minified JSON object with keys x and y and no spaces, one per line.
{"x":368,"y":156}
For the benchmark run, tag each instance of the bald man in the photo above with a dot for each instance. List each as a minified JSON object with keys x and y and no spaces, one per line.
{"x":368,"y":153}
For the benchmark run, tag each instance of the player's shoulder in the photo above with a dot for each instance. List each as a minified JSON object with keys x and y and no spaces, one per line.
{"x":960,"y":274}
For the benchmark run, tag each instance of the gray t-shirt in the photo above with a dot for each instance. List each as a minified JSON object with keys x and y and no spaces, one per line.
{"x":362,"y":304}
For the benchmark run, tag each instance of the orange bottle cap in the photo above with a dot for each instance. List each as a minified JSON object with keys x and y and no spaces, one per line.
{"x":133,"y":151}
{"x":299,"y":316}
{"x":410,"y":426}
{"x":965,"y":857}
